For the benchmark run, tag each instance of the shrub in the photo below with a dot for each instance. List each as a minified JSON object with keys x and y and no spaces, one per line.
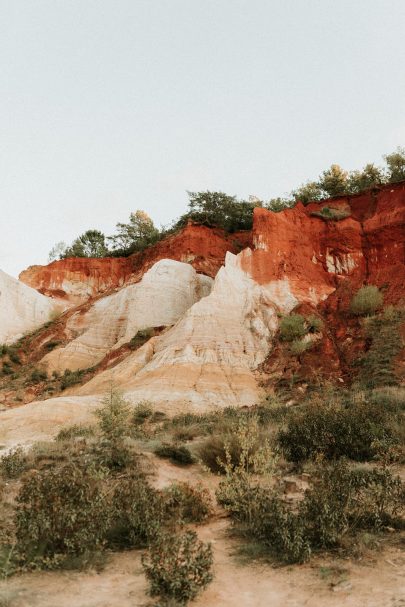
{"x":341,"y":502}
{"x":138,"y":513}
{"x":188,"y":504}
{"x":13,"y":463}
{"x":396,"y":165}
{"x":377,"y":365}
{"x":71,"y":378}
{"x":142,"y":412}
{"x":331,"y":214}
{"x":334,"y":431}
{"x":141,"y":337}
{"x":14,"y":357}
{"x":176,"y":454}
{"x":74,"y":431}
{"x":38,"y":375}
{"x":51,"y":345}
{"x":7,"y":369}
{"x":314,"y":324}
{"x":59,"y":512}
{"x":299,"y":346}
{"x":213,"y":451}
{"x":114,"y":418}
{"x":178,"y":567}
{"x":292,"y":327}
{"x":366,"y":301}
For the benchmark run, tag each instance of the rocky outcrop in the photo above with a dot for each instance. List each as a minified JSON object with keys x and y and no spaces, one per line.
{"x":208,"y":358}
{"x":22,"y":309}
{"x":75,"y":280}
{"x":163,"y":295}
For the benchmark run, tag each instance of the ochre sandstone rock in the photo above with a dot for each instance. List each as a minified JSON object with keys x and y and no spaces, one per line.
{"x":163,"y":295}
{"x":22,"y":309}
{"x":77,"y":279}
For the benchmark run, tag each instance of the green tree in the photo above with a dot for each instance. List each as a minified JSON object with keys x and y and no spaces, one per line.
{"x":396,"y":165}
{"x":308,"y":192}
{"x":369,"y":177}
{"x":90,"y":244}
{"x":139,"y":233}
{"x":58,"y":251}
{"x":217,"y":209}
{"x":334,"y":181}
{"x":279,"y":204}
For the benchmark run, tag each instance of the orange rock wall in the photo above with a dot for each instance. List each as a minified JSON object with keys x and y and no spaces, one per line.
{"x":315,"y":255}
{"x":77,"y":279}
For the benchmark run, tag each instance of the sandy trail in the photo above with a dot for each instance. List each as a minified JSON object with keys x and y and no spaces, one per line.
{"x":379,"y":583}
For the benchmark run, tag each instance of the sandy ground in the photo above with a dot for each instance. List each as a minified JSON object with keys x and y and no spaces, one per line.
{"x":376,"y":581}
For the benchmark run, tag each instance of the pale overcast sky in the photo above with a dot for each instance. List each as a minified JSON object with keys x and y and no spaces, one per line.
{"x":107,"y":106}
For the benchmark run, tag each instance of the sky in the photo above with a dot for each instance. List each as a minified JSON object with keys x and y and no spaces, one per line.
{"x":108,"y":106}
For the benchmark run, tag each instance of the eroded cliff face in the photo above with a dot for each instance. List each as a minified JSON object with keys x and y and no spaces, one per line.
{"x":75,"y":280}
{"x":219,"y":347}
{"x":22,"y":309}
{"x":315,"y":255}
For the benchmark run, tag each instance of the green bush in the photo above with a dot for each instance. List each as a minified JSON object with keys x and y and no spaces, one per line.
{"x":299,"y":346}
{"x":178,"y":567}
{"x":114,"y":423}
{"x":76,"y":430}
{"x":292,"y":327}
{"x":335,"y":431}
{"x":377,"y":365}
{"x":60,"y":512}
{"x":13,"y":464}
{"x":71,"y":378}
{"x":340,"y":503}
{"x":38,"y":375}
{"x":186,"y":503}
{"x":7,"y":369}
{"x":213,"y":450}
{"x":366,"y":301}
{"x":314,"y":324}
{"x":141,"y":337}
{"x":142,"y":412}
{"x":331,"y":214}
{"x":177,"y":454}
{"x":139,"y":512}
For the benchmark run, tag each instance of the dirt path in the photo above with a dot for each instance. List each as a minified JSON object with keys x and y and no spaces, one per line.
{"x":379,"y":583}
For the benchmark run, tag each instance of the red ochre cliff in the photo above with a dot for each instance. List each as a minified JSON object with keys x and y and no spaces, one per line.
{"x":314,"y":255}
{"x":317,"y":255}
{"x":77,"y":279}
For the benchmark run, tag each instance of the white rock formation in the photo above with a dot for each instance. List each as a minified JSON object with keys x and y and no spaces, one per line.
{"x":163,"y":295}
{"x":22,"y":309}
{"x":208,"y":357}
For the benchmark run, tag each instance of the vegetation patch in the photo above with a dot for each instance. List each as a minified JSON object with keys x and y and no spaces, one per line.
{"x":366,"y":301}
{"x":331,"y":214}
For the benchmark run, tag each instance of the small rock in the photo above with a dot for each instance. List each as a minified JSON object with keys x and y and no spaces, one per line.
{"x":343,"y":585}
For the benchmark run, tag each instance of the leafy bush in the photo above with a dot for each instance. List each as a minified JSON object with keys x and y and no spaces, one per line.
{"x":366,"y":301}
{"x":188,"y":504}
{"x":341,"y":502}
{"x":138,"y":513}
{"x":142,"y":412}
{"x":334,"y":431}
{"x":38,"y":375}
{"x":76,"y":430}
{"x":71,"y":378}
{"x":377,"y":365}
{"x":176,"y":454}
{"x":213,"y":452}
{"x":141,"y":338}
{"x":13,"y":463}
{"x":299,"y":346}
{"x":292,"y":327}
{"x":178,"y":567}
{"x":14,"y":357}
{"x":396,"y":165}
{"x":331,"y":214}
{"x":114,"y":424}
{"x":59,"y":512}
